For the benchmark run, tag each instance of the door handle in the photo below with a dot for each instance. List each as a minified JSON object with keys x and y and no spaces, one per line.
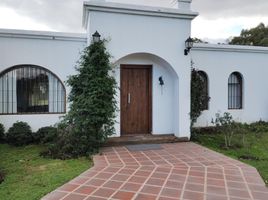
{"x":128,"y":98}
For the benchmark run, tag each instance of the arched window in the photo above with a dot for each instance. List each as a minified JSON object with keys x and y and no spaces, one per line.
{"x":235,"y":91}
{"x":204,"y":78}
{"x":26,"y":89}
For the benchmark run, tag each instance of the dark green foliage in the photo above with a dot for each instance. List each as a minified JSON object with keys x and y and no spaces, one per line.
{"x":19,"y":134}
{"x":257,"y":36}
{"x":2,"y":133}
{"x":199,"y":97}
{"x":205,"y":130}
{"x":67,"y":144}
{"x":91,"y":117}
{"x":2,"y":176}
{"x":45,"y":135}
{"x":258,"y":127}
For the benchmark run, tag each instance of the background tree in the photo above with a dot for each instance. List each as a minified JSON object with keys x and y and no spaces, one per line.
{"x":198,"y":40}
{"x":257,"y":36}
{"x":91,"y":117}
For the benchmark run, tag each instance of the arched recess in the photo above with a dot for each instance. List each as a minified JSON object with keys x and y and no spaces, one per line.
{"x":143,"y":56}
{"x":235,"y":91}
{"x":31,"y":89}
{"x":165,"y":98}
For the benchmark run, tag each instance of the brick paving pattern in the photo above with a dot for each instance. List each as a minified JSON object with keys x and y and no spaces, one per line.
{"x":178,"y":171}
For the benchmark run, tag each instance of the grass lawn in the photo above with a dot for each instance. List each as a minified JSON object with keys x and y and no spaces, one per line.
{"x":29,"y":176}
{"x":257,"y":146}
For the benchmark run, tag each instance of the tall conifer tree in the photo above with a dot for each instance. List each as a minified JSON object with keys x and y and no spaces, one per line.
{"x":91,"y":116}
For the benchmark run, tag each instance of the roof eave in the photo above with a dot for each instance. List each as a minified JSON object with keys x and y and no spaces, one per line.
{"x":229,"y":48}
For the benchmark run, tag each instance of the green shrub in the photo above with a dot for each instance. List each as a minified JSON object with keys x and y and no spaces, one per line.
{"x":67,"y":144}
{"x":45,"y":135}
{"x":2,"y":133}
{"x":19,"y":134}
{"x":258,"y":127}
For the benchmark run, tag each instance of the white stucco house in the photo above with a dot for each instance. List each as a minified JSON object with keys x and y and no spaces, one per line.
{"x":147,"y":46}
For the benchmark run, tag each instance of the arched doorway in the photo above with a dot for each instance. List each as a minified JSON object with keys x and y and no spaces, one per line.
{"x":146,"y":105}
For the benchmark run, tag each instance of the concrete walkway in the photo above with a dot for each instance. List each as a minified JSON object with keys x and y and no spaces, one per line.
{"x":177,"y":171}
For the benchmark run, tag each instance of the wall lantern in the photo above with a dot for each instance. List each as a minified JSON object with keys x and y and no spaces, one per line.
{"x":96,"y":37}
{"x":189,"y":43}
{"x":161,"y":81}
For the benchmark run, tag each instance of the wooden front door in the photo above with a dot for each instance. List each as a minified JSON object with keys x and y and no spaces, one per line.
{"x":136,"y":99}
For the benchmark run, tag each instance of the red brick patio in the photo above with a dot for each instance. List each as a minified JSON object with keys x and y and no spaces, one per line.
{"x":178,"y":171}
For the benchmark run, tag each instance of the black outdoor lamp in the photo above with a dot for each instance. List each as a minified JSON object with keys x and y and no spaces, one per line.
{"x":189,"y":43}
{"x":161,"y":81}
{"x":96,"y":37}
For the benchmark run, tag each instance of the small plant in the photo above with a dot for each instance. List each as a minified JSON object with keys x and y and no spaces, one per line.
{"x":45,"y":135}
{"x":225,"y":125}
{"x":19,"y":134}
{"x":2,"y":133}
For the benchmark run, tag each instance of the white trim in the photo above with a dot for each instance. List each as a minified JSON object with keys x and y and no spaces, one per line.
{"x":135,"y":10}
{"x":46,"y":35}
{"x":229,"y":48}
{"x":186,"y":1}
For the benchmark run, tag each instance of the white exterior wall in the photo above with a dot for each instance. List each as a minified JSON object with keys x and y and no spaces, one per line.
{"x":219,"y":61}
{"x":58,"y":54}
{"x":147,"y":35}
{"x":162,"y":37}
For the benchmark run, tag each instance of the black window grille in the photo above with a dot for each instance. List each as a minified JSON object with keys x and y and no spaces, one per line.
{"x":31,"y":89}
{"x":204,"y":78}
{"x":235,"y":91}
